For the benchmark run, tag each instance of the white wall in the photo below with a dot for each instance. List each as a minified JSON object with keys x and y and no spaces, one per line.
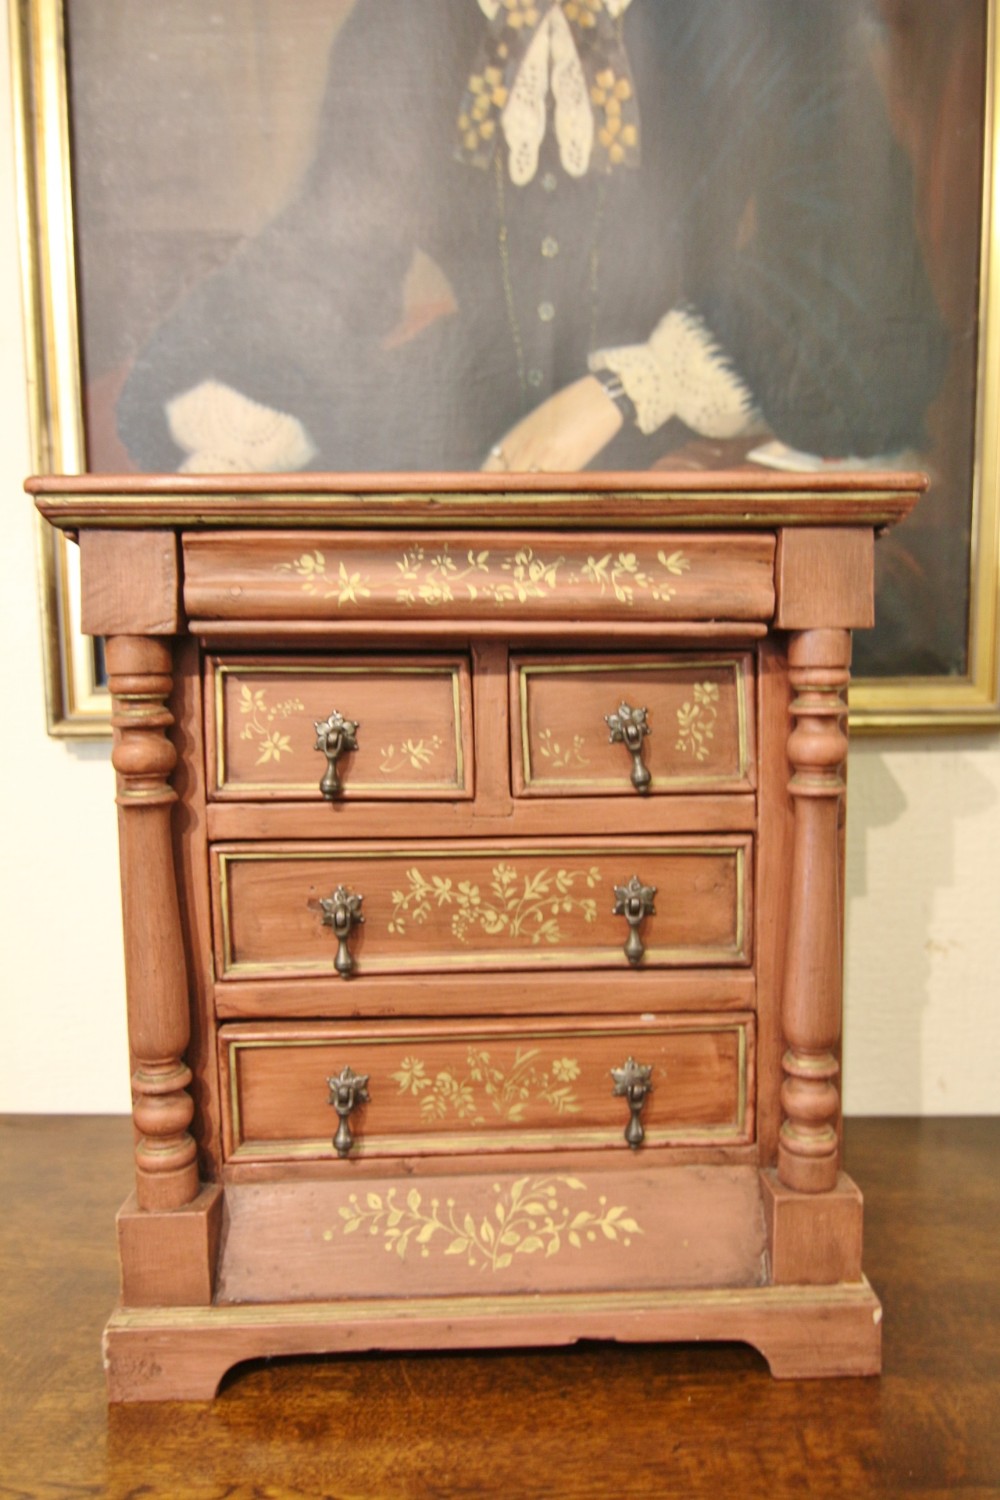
{"x":923,"y":919}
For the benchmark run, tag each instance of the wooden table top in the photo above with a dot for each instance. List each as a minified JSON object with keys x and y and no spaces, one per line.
{"x":594,"y":1420}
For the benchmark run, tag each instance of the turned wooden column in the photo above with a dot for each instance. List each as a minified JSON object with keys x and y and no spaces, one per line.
{"x":130,"y":595}
{"x":808,"y":1145}
{"x":824,"y":582}
{"x":139,"y":676}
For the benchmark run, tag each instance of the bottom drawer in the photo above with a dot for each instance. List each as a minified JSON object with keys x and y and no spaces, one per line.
{"x":485,"y":1087}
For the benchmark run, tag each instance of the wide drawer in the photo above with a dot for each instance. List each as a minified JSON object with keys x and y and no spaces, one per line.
{"x":450,"y":907}
{"x":695,"y":733}
{"x":413,"y":717}
{"x":346,"y":577}
{"x":487,"y":1087}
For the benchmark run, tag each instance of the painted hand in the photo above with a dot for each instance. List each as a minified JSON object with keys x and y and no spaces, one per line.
{"x":560,"y":436}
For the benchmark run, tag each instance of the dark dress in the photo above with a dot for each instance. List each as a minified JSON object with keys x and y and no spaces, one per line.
{"x":771,"y":200}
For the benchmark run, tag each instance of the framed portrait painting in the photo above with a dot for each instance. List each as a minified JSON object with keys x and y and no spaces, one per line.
{"x":605,"y":236}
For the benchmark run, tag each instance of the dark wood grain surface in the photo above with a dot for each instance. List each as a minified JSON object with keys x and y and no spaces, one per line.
{"x":595,"y":1420}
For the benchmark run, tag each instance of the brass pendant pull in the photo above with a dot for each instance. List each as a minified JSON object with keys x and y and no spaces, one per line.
{"x":629,"y":727}
{"x":342,"y":912}
{"x":347,"y":1091}
{"x":632,"y":1083}
{"x":634,"y":902}
{"x":334,"y":736}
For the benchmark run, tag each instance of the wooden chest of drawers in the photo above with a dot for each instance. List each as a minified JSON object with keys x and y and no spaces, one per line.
{"x":481,"y":866}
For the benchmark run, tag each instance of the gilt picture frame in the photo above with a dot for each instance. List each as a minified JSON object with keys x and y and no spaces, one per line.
{"x":64,"y":314}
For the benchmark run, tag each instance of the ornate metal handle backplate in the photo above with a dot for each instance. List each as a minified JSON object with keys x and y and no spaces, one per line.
{"x":347,"y":1091}
{"x":334,"y":736}
{"x":342,"y":912}
{"x":634,"y":902}
{"x":629,"y":727}
{"x":632,"y":1083}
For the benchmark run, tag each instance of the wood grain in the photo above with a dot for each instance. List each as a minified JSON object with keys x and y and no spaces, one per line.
{"x":131,"y":583}
{"x":439,"y":906}
{"x":824,"y":575}
{"x":494,"y":814}
{"x":651,"y":501}
{"x":697,"y":1421}
{"x":290,"y":1241}
{"x":808,"y":1147}
{"x":699,"y":711}
{"x":517,"y":883}
{"x":414,"y":717}
{"x":498,"y":1086}
{"x":159,"y":1023}
{"x":531,"y":575}
{"x":580,"y":992}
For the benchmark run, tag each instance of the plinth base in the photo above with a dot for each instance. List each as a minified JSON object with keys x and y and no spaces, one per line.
{"x":181,"y":1354}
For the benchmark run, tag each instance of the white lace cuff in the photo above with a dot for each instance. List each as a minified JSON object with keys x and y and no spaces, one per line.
{"x":682,"y":372}
{"x":223,"y":432}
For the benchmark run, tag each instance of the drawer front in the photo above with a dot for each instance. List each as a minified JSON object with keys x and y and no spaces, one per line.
{"x":439,"y":907}
{"x":491,"y":1087}
{"x":696,"y":732}
{"x":414,"y":726}
{"x":347,"y":577}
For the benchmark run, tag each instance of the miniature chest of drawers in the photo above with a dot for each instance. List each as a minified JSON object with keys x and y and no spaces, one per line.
{"x":481,"y":864}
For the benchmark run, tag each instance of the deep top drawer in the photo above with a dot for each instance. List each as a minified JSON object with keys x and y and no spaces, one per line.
{"x":339,"y":578}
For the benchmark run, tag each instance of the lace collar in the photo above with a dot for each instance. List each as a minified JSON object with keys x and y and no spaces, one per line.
{"x":571,"y":48}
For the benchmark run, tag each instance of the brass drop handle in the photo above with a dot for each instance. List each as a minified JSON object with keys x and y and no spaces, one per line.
{"x":634,"y":902}
{"x":632,"y":1083}
{"x":347,"y":1091}
{"x":629,"y":727}
{"x":334,"y":736}
{"x":342,"y":912}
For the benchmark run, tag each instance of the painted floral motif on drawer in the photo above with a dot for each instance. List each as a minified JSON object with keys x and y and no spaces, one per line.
{"x":696,"y":720}
{"x":508,"y":1089}
{"x":261,"y":715}
{"x":522,"y":907}
{"x":442,"y":576}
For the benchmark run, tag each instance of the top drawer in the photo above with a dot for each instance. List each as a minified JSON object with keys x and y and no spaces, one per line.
{"x":341,"y":580}
{"x":413,"y":716}
{"x":689,"y":719}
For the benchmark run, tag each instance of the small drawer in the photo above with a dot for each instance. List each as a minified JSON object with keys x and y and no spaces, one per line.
{"x":695,"y":734}
{"x":492,"y":1087}
{"x":440,"y":907}
{"x":413,"y":717}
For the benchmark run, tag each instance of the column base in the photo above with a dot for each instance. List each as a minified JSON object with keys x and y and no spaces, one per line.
{"x":813,"y":1239}
{"x":168,"y":1259}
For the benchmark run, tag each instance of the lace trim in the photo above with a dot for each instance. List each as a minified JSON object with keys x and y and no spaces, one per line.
{"x":574,"y":121}
{"x":552,"y":53}
{"x":223,"y":432}
{"x":571,"y":48}
{"x":615,"y":8}
{"x":682,"y":372}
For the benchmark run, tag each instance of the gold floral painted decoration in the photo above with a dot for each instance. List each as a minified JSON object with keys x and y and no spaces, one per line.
{"x":271,"y":743}
{"x":525,"y":906}
{"x":441,"y":577}
{"x":622,"y":574}
{"x":417,"y":754}
{"x":561,"y":756}
{"x":346,"y":588}
{"x":696,"y":720}
{"x":531,"y":1217}
{"x":509,"y":1089}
